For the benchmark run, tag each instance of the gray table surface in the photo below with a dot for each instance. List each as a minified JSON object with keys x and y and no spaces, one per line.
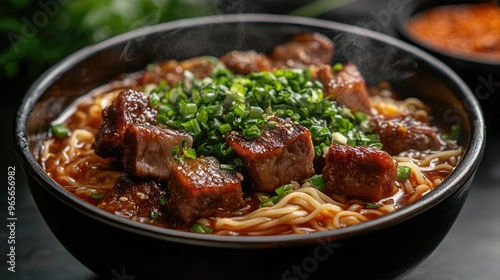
{"x":471,"y":250}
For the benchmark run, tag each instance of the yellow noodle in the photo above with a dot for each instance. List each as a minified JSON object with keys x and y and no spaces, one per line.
{"x":416,"y":172}
{"x":420,"y":190}
{"x":443,"y":155}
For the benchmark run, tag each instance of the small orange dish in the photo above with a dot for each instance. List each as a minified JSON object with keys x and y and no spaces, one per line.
{"x":465,"y":29}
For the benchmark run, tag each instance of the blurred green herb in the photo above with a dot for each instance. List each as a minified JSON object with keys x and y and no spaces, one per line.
{"x":36,"y":34}
{"x":454,"y":133}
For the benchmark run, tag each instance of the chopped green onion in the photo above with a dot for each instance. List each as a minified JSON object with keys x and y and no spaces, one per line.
{"x":202,"y":116}
{"x":403,"y":173}
{"x":160,"y":118}
{"x":284,"y":190}
{"x":163,"y":200}
{"x":192,"y":126}
{"x":211,"y":107}
{"x":176,"y":151}
{"x":339,"y":138}
{"x":199,"y":228}
{"x":154,"y":214}
{"x":251,"y":132}
{"x":376,"y":145}
{"x":183,"y":151}
{"x":60,"y":130}
{"x":317,"y":181}
{"x":372,"y":205}
{"x":154,"y":99}
{"x":281,"y":192}
{"x":223,"y":150}
{"x":454,"y":133}
{"x":263,"y":198}
{"x":188,"y":109}
{"x":205,"y":149}
{"x":270,"y":201}
{"x":166,"y":110}
{"x":96,"y":195}
{"x":188,"y":152}
{"x":272,"y":124}
{"x":240,"y":111}
{"x":225,"y":128}
{"x":337,"y":67}
{"x":238,"y":162}
{"x":255,"y":112}
{"x":228,"y":167}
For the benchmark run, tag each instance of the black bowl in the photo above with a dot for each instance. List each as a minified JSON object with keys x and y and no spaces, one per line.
{"x":384,"y":248}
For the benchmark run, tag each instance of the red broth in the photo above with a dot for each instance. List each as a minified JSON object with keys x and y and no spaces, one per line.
{"x":470,"y":29}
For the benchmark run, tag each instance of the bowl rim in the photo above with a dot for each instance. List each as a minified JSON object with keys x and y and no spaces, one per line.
{"x":402,"y":17}
{"x":463,"y":173}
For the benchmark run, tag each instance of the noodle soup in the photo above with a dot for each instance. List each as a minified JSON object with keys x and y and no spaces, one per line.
{"x":250,"y":144}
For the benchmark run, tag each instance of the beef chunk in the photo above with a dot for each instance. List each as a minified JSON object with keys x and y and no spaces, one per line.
{"x":361,"y":172}
{"x":302,"y":51}
{"x":281,"y":154}
{"x":130,"y":107}
{"x":246,"y":62}
{"x":346,"y":86}
{"x":199,"y":188}
{"x":135,"y":198}
{"x":147,"y":150}
{"x":405,"y":133}
{"x":172,"y":71}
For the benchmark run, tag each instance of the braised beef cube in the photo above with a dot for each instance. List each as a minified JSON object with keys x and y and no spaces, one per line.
{"x":281,"y":154}
{"x":136,"y":198}
{"x":173,"y":71}
{"x":405,"y":133}
{"x":147,"y":150}
{"x":361,"y":172}
{"x":346,"y":86}
{"x":200,"y":67}
{"x":199,"y":188}
{"x":246,"y":62}
{"x":303,"y":50}
{"x":130,"y":107}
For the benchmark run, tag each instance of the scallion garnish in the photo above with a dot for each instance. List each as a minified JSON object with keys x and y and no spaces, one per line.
{"x":317,"y":181}
{"x":372,"y":205}
{"x":454,"y":133}
{"x":225,"y":128}
{"x":200,"y":228}
{"x":60,"y":130}
{"x":96,"y":195}
{"x":251,"y":132}
{"x":154,"y":214}
{"x":211,"y":107}
{"x":228,"y":167}
{"x":337,"y":67}
{"x":280,"y":193}
{"x":188,"y":152}
{"x":163,"y":200}
{"x":403,"y":173}
{"x":183,"y":151}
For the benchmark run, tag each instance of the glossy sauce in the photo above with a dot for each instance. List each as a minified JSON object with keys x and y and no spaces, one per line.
{"x":471,"y":29}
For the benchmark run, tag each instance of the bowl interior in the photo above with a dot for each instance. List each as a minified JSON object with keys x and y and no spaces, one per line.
{"x":379,"y":58}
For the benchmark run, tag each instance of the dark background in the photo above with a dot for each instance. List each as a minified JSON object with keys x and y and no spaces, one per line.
{"x":471,"y":250}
